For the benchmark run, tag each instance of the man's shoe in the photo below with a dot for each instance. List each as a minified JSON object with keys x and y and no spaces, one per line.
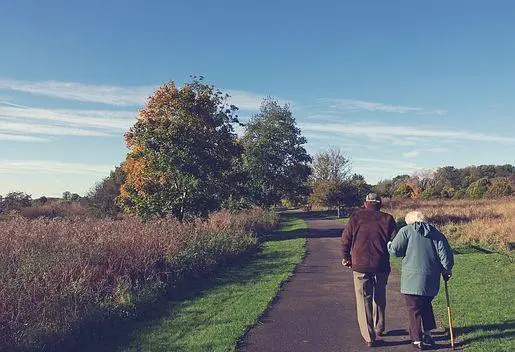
{"x":380,"y":333}
{"x":375,"y":343}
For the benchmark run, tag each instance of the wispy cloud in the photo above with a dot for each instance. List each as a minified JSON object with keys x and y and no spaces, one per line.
{"x":105,"y":119}
{"x":32,"y":128}
{"x":351,"y":105}
{"x":381,"y":167}
{"x":389,"y":132}
{"x":21,"y":138}
{"x":106,"y":94}
{"x":115,"y":95}
{"x":27,"y":166}
{"x":250,"y":101}
{"x":417,"y":152}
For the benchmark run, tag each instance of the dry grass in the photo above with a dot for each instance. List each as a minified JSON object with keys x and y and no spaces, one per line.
{"x":484,"y":222}
{"x":57,"y":273}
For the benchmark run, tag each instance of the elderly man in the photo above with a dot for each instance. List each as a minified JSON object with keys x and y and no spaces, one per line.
{"x":364,"y":242}
{"x":427,"y":255}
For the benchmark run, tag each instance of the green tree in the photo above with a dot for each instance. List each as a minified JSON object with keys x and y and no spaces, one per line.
{"x":384,"y":188}
{"x":16,"y":201}
{"x":276,"y":161}
{"x":182,"y":152}
{"x":102,"y":198}
{"x":403,"y":191}
{"x":477,"y":189}
{"x":499,"y":187}
{"x":330,"y":165}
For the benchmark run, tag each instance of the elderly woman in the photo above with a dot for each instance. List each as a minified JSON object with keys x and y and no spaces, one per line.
{"x":426,"y":255}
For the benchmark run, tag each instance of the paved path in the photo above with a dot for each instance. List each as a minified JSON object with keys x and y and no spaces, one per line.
{"x":316,"y":310}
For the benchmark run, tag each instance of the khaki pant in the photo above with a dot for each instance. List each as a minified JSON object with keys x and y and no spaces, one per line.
{"x":370,"y":291}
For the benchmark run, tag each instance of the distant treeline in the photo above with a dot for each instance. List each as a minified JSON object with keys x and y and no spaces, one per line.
{"x":483,"y":181}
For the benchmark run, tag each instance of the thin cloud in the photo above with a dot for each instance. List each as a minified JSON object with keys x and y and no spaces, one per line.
{"x":24,"y":166}
{"x":382,"y":131}
{"x":106,"y":94}
{"x":21,"y":138}
{"x":417,"y":152}
{"x":249,"y":100}
{"x":361,"y":105}
{"x":31,"y":128}
{"x":105,"y":119}
{"x":411,"y":154}
{"x":352,"y":105}
{"x":115,"y":95}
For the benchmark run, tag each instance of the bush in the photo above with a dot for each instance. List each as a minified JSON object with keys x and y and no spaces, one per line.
{"x":59,"y":274}
{"x":55,"y":209}
{"x":499,"y":187}
{"x":478,"y":188}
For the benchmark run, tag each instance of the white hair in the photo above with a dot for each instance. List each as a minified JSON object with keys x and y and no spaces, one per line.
{"x":414,"y":216}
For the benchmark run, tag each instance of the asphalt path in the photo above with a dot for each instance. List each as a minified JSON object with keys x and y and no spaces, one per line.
{"x":316,"y":311}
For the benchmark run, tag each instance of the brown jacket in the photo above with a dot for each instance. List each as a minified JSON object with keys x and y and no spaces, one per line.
{"x":364,"y":240}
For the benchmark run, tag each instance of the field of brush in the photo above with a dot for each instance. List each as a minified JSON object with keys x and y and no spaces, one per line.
{"x":61,"y":277}
{"x":487,"y":223}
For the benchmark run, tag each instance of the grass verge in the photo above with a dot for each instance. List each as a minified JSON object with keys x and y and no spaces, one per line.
{"x":482,"y":300}
{"x":218,"y":311}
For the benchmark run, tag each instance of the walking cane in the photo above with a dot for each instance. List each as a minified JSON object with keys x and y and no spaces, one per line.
{"x":449,"y":314}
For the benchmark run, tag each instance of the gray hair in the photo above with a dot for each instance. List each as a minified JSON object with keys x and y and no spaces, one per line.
{"x":414,"y":216}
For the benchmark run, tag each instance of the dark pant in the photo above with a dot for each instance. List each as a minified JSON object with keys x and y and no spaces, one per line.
{"x":420,"y":313}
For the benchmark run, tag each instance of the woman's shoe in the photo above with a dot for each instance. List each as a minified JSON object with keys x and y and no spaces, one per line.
{"x":418,"y":345}
{"x":428,"y":340}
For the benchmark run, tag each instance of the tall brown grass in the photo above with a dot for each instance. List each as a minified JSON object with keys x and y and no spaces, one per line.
{"x":484,"y":222}
{"x":57,"y":273}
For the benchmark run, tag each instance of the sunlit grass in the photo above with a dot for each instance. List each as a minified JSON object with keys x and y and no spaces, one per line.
{"x":230,"y":303}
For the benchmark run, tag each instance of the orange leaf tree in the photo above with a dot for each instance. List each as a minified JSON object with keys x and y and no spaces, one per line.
{"x":183,"y":152}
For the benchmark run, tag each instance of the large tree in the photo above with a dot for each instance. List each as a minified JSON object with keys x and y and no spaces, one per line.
{"x":330,"y":165}
{"x":274,"y":156}
{"x":182,"y":152}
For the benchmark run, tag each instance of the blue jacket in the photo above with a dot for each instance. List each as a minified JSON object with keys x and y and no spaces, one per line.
{"x":426,"y":254}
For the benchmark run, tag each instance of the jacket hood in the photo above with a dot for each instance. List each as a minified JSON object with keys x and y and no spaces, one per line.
{"x":423,"y":228}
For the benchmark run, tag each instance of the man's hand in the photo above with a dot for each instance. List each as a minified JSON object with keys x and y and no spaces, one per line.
{"x":446,"y":275}
{"x":347,"y":263}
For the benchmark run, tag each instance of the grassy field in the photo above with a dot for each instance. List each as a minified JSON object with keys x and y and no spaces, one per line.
{"x":488,"y":223}
{"x":215,"y":313}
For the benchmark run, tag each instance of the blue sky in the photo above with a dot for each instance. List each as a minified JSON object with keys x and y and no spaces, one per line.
{"x":401,"y":86}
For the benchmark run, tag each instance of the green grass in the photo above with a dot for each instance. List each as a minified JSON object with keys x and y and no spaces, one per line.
{"x":482,"y":294}
{"x":220,"y":313}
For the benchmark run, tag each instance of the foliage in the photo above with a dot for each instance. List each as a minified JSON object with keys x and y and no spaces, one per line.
{"x":274,"y":158}
{"x":16,"y":201}
{"x":404,"y":190}
{"x":499,"y":187}
{"x":58,"y":274}
{"x":330,"y":193}
{"x":330,"y":165}
{"x":477,"y":189}
{"x":102,"y":198}
{"x":384,"y":188}
{"x":326,"y":193}
{"x":452,"y":183}
{"x":182,"y":153}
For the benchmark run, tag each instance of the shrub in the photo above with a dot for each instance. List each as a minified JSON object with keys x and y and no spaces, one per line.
{"x":57,"y":274}
{"x":478,"y":188}
{"x":499,"y":187}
